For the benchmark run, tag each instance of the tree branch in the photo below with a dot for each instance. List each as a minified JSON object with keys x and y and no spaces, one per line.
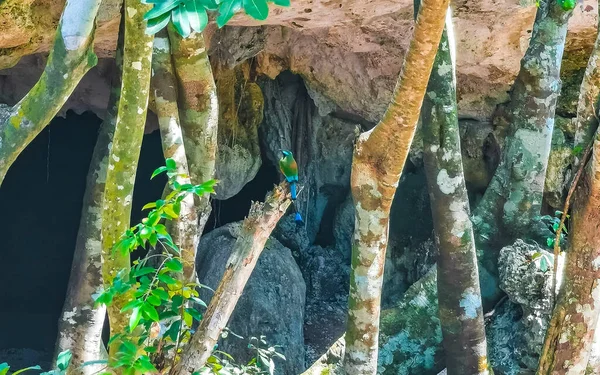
{"x":71,"y":57}
{"x":254,"y":233}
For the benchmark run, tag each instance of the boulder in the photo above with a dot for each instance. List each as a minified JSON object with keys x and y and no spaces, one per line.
{"x":272,"y":303}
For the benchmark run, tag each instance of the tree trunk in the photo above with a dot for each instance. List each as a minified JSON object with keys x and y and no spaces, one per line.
{"x":575,"y":318}
{"x":80,"y":325}
{"x":254,"y":233}
{"x":70,"y":58}
{"x":124,"y":154}
{"x":512,"y":201}
{"x":459,"y":295}
{"x":379,"y":157}
{"x":184,"y":230}
{"x":198,"y":111}
{"x":571,"y":331}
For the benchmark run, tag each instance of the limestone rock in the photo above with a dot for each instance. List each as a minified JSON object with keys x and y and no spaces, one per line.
{"x":527,"y":285}
{"x":347,"y":51}
{"x":272,"y":303}
{"x":240,"y":112}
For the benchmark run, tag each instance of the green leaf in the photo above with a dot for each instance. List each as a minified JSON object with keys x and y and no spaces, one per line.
{"x":171,"y":164}
{"x":197,"y":16}
{"x":567,"y":5}
{"x":194,"y":313}
{"x":208,"y":4}
{"x":131,"y":305}
{"x":161,"y":229}
{"x":64,"y":359}
{"x":257,"y":9}
{"x":167,"y":279}
{"x":149,"y":205}
{"x":543,"y":264}
{"x":104,"y":298}
{"x":550,"y":242}
{"x":173,"y":331}
{"x":161,"y":9}
{"x":227,"y":9}
{"x":188,"y":319}
{"x":161,"y":293}
{"x":174,"y":265}
{"x":153,"y":300}
{"x":134,"y":319}
{"x":36,"y":367}
{"x":158,"y":171}
{"x":144,"y":271}
{"x":150,"y":312}
{"x":153,"y":239}
{"x":168,"y":209}
{"x":199,"y":301}
{"x":282,"y":3}
{"x":4,"y":367}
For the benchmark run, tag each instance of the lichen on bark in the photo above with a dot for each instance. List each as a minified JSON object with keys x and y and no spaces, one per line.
{"x":184,"y":229}
{"x":198,"y":111}
{"x":459,"y":296}
{"x":575,"y":318}
{"x":124,"y":154}
{"x":379,"y":157}
{"x":70,"y":58}
{"x":512,"y":201}
{"x":80,"y":325}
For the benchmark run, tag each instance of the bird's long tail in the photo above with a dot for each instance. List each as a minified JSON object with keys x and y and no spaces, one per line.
{"x":294,"y":192}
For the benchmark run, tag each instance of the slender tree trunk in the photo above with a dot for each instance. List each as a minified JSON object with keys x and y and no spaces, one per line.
{"x":571,"y":331}
{"x":254,"y":233}
{"x":459,"y":295}
{"x":70,"y":58}
{"x":198,"y":111}
{"x":379,"y":157}
{"x":575,"y":318}
{"x":124,"y":154}
{"x":80,"y":325}
{"x":513,"y":199}
{"x":184,"y":230}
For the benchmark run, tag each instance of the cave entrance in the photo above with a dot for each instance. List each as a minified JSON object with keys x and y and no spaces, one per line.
{"x":41,"y":200}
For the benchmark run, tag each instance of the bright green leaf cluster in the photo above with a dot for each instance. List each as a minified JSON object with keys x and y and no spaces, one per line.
{"x":191,"y":15}
{"x":567,"y":5}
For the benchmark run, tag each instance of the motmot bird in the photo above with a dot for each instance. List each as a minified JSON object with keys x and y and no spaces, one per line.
{"x":289,"y":168}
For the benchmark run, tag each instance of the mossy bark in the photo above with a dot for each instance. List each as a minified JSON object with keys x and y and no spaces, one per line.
{"x":198,"y":110}
{"x":586,"y":121}
{"x":254,"y":233}
{"x":70,"y":58}
{"x":512,"y":201}
{"x":80,"y":325}
{"x":459,"y":295}
{"x":574,"y":321}
{"x":124,"y":154}
{"x":379,"y":157}
{"x":184,"y":230}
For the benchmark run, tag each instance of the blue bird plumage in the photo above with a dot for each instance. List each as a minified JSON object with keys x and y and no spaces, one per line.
{"x":289,"y":168}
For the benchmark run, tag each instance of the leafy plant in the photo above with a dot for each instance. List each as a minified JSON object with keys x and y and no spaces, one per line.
{"x":554,"y":224}
{"x":261,"y":363}
{"x":162,"y":308}
{"x":192,"y":15}
{"x":542,"y":260}
{"x":63,"y":361}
